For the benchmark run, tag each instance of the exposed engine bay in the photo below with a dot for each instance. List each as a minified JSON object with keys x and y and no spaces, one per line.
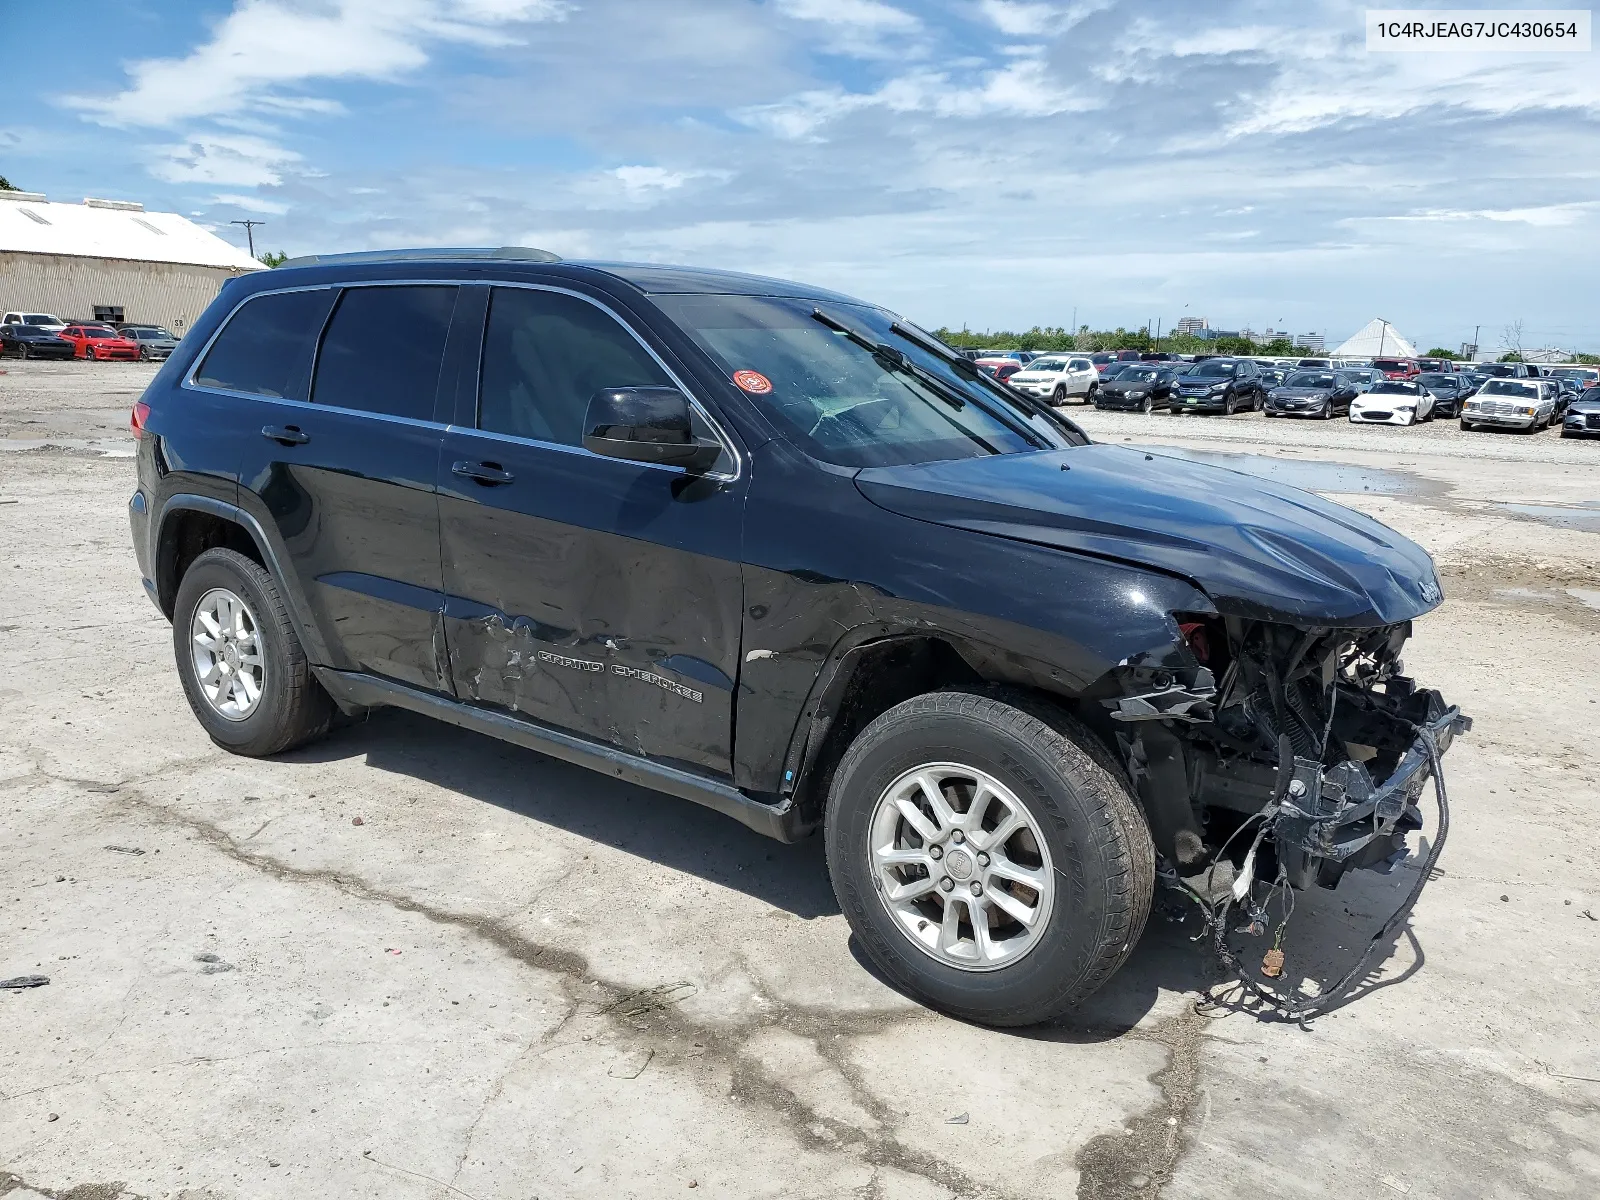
{"x":1314,"y":734}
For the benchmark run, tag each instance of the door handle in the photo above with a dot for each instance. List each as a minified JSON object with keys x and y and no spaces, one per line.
{"x":488,"y":474}
{"x":289,"y":435}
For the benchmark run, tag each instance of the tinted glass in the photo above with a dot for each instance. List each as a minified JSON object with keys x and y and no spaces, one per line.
{"x":545,"y":355}
{"x":1435,"y":379}
{"x":1395,"y":387}
{"x":1389,"y":364}
{"x":846,"y":405}
{"x":383,"y":350}
{"x":1213,"y":370}
{"x":265,"y":348}
{"x":1509,"y":387}
{"x":1312,"y":379}
{"x":1048,"y":364}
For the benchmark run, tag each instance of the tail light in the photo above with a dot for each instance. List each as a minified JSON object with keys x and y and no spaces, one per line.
{"x":141,"y":414}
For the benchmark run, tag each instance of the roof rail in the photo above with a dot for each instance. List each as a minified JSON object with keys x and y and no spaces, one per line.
{"x":427,"y":254}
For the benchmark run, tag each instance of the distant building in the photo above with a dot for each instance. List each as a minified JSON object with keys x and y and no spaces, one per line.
{"x":1312,"y":343}
{"x":109,"y":260}
{"x":1550,"y":354}
{"x":1469,"y":352}
{"x":1248,"y":333}
{"x":1376,"y":339}
{"x":1211,"y":335}
{"x":1191,"y":326}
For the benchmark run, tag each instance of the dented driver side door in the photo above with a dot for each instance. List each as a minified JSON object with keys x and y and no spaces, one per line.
{"x":599,"y":596}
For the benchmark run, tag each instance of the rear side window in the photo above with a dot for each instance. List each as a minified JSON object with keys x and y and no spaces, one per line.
{"x":265,"y":348}
{"x":383,"y":350}
{"x":544,"y":355}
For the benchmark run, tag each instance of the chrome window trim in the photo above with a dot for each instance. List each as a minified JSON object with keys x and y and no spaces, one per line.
{"x":190,"y":383}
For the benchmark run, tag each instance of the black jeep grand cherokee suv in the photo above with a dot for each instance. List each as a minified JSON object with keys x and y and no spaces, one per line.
{"x":777,"y":551}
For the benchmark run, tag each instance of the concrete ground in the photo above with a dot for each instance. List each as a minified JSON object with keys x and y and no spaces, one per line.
{"x":411,"y":962}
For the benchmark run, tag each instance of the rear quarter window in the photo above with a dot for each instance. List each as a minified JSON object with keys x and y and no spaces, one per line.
{"x":265,"y":348}
{"x":383,"y":350}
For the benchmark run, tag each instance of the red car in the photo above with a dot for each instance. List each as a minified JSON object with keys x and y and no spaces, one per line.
{"x":1397,"y":368}
{"x":1001,"y":368}
{"x":1104,"y":360}
{"x":99,"y":341}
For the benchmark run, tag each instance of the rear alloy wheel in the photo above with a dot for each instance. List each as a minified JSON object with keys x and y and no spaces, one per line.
{"x":988,"y":855}
{"x":243,"y":671}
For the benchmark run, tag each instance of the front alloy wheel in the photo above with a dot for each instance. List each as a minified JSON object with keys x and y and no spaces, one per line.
{"x":961,"y":866}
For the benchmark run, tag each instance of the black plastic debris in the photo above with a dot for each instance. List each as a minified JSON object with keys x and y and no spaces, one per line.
{"x":23,"y":981}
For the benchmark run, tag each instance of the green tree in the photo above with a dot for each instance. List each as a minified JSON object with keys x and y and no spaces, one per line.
{"x":273,"y":258}
{"x":1513,"y":356}
{"x":7,"y":186}
{"x":1440,"y":352}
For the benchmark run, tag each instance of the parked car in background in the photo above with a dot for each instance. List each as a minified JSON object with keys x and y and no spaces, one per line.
{"x":100,"y":342}
{"x":999,"y":368}
{"x":1584,"y":377}
{"x":1272,"y":377}
{"x":155,"y":343}
{"x":1449,"y":390}
{"x":1140,"y":386}
{"x":1321,"y":394}
{"x":1583,"y":415}
{"x":1396,"y":368}
{"x":1224,"y":385}
{"x":1106,"y":359}
{"x":1325,"y":363}
{"x":49,"y":322}
{"x":1500,"y":370}
{"x":1058,"y":378}
{"x":1364,"y":378}
{"x":1526,"y":404}
{"x":1436,"y":364}
{"x":34,"y":341}
{"x":1393,"y":402}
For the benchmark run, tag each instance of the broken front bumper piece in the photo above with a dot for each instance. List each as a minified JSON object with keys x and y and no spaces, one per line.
{"x":1334,"y":819}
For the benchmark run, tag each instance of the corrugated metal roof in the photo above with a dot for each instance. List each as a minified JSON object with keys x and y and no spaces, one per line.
{"x":96,"y":232}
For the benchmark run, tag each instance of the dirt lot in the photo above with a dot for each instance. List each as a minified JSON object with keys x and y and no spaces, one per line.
{"x":516,"y":979}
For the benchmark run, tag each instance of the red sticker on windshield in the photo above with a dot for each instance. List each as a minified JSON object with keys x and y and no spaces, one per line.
{"x":753,"y":382}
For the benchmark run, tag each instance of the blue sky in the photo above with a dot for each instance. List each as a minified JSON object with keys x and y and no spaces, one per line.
{"x":994,"y":163}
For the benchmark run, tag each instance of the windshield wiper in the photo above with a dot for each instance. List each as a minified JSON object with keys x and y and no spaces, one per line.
{"x":891,"y":359}
{"x":965,"y":366}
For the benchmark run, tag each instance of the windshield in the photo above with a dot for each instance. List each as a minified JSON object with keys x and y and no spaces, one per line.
{"x":1140,"y":374}
{"x":1048,"y":364}
{"x":1501,"y":369}
{"x":1509,"y":387}
{"x":1437,"y":379}
{"x":1389,"y":364}
{"x":153,"y":335}
{"x":1213,"y":370}
{"x":1312,"y":379}
{"x":39,"y":319}
{"x":1394,"y":387}
{"x":848,"y":406}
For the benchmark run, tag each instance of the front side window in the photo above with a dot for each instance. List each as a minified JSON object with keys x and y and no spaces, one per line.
{"x":266,"y":347}
{"x":383,"y":350}
{"x":850,"y":405}
{"x":545,"y":355}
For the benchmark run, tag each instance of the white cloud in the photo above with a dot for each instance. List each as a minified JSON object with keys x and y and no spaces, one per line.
{"x":264,"y":49}
{"x":236,"y":159}
{"x":871,"y":15}
{"x":251,"y":204}
{"x":1020,"y":19}
{"x":1546,"y":216}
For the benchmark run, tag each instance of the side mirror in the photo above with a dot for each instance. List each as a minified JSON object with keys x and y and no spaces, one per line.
{"x":648,"y":425}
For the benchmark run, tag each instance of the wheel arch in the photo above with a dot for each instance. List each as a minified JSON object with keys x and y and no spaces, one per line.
{"x":874,"y":670}
{"x":188,"y":525}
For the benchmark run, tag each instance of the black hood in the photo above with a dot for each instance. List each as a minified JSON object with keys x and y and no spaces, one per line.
{"x":1260,"y":550}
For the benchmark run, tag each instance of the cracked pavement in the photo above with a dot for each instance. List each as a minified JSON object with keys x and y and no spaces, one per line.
{"x":518,"y":979}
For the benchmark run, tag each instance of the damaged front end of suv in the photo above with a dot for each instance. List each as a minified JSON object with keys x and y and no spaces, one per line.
{"x":1314,"y":732}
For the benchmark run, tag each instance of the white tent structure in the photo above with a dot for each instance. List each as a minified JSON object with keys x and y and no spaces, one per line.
{"x":1376,"y":339}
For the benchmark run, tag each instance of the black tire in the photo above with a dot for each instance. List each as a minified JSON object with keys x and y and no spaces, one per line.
{"x":1088,"y":397}
{"x":1059,"y":396}
{"x":1075,"y":794}
{"x":293,"y":708}
{"x":1148,"y":405}
{"x":1466,"y":425}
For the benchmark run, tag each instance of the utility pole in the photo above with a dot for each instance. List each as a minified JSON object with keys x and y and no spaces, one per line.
{"x":249,"y":232}
{"x":1475,"y":330}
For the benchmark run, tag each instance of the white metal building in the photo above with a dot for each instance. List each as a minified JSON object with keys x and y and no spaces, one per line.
{"x":1376,"y":339}
{"x":109,"y":260}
